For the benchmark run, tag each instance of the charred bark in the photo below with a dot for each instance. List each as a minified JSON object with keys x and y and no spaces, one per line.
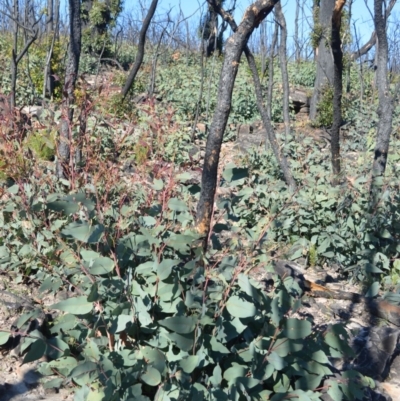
{"x":235,"y":45}
{"x":212,"y":30}
{"x":71,"y":74}
{"x":325,"y":69}
{"x":280,"y":158}
{"x":386,"y":101}
{"x":336,"y":46}
{"x":140,"y":54}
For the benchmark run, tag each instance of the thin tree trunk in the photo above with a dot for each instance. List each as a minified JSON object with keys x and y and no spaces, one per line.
{"x":213,"y":37}
{"x":336,"y":46}
{"x":271,"y":70}
{"x":140,"y":54}
{"x":348,"y":69}
{"x":283,"y":64}
{"x":201,"y":90}
{"x":296,"y":32}
{"x":14,"y":64}
{"x":360,"y":72}
{"x":386,"y":102}
{"x":262,"y":47}
{"x":253,"y":16}
{"x":325,"y":69}
{"x":280,"y":158}
{"x":71,"y":74}
{"x":48,"y":78}
{"x":30,"y":36}
{"x":50,"y":17}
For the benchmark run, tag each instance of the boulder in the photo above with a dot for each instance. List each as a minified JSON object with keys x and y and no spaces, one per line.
{"x":300,"y":100}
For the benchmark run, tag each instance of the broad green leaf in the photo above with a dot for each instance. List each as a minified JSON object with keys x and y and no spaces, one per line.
{"x":65,"y":323}
{"x":155,"y":358}
{"x":182,"y":341}
{"x":83,"y":368}
{"x":308,"y":381}
{"x":95,"y":263}
{"x":165,"y":267}
{"x":320,"y":356}
{"x":189,"y":364}
{"x":152,"y":377}
{"x":64,"y":365}
{"x":283,"y":346}
{"x":334,"y":390}
{"x":177,"y":205}
{"x":129,"y":357}
{"x":4,"y":336}
{"x":216,"y":377}
{"x":233,"y":173}
{"x":238,"y":307}
{"x":82,"y":393}
{"x":76,"y":306}
{"x":179,"y":324}
{"x":277,"y":361}
{"x":295,"y":329}
{"x":36,"y":351}
{"x":218,"y":347}
{"x":84,"y":232}
{"x":119,"y":323}
{"x":373,"y":290}
{"x":53,"y":383}
{"x":232,"y":373}
{"x":158,"y":185}
{"x":67,"y":207}
{"x":56,"y":348}
{"x":95,"y":395}
{"x":324,"y":245}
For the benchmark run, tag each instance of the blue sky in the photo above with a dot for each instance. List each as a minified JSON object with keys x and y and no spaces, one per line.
{"x":361,"y":15}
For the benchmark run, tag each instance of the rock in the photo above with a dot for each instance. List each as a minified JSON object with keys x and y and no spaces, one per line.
{"x":144,"y":97}
{"x":375,"y":348}
{"x":248,"y":137}
{"x":304,"y":110}
{"x":300,"y":101}
{"x":194,"y":151}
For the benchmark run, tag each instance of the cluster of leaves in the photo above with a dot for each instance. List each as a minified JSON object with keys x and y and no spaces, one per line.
{"x":329,"y":224}
{"x":148,"y":315}
{"x":152,"y":319}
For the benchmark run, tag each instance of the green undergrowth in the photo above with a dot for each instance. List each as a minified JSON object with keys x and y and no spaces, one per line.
{"x":327,"y":224}
{"x":152,"y":318}
{"x":149,"y":316}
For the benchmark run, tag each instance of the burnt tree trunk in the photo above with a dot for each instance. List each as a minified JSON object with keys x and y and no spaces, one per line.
{"x":336,"y":46}
{"x":140,"y":54}
{"x":386,"y":101}
{"x":325,"y":69}
{"x":235,"y":45}
{"x":71,"y":74}
{"x":280,"y":158}
{"x":283,"y":64}
{"x":212,"y":21}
